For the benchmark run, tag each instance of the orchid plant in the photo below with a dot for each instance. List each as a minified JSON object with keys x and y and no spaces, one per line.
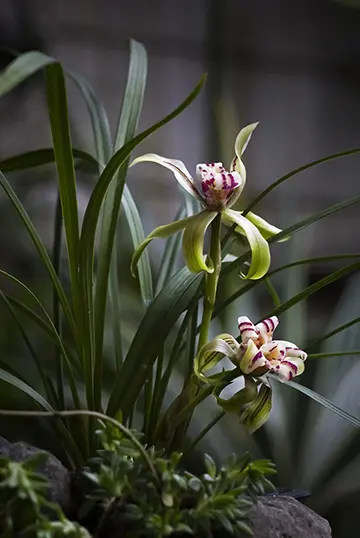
{"x":125,"y":375}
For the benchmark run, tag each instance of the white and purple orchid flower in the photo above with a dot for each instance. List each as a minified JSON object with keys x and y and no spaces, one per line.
{"x":217,"y":190}
{"x":255,"y":355}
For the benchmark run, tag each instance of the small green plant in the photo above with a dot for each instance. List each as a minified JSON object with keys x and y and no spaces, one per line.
{"x":178,"y":503}
{"x":24,"y":508}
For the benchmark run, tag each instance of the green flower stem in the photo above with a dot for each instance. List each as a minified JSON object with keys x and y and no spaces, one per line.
{"x":204,"y":431}
{"x":211,"y":281}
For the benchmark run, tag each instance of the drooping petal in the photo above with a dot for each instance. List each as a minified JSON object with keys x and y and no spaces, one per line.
{"x":267,"y":327}
{"x":243,"y":397}
{"x":287,"y":369}
{"x":218,"y":185}
{"x":181,"y":173}
{"x":257,"y":412}
{"x":266,"y":229}
{"x":193,"y":242}
{"x":212,"y":353}
{"x":241,"y":142}
{"x":292,"y":350}
{"x":161,"y":232}
{"x":247,"y":329}
{"x":260,"y":252}
{"x":252,"y":359}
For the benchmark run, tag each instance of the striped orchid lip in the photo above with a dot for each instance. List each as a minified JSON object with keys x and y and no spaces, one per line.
{"x":218,"y":185}
{"x":258,"y":350}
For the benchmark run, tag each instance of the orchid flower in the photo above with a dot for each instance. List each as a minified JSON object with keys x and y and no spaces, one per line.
{"x":256,"y":355}
{"x":219,"y":191}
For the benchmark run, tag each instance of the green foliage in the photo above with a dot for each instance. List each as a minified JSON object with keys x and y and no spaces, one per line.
{"x":24,"y":508}
{"x":213,"y":504}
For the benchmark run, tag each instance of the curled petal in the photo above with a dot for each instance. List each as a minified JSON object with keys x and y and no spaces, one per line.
{"x":266,"y":229}
{"x":287,"y":369}
{"x":292,"y":350}
{"x":181,"y":173}
{"x":193,"y":242}
{"x":161,"y":232}
{"x":257,"y":412}
{"x":247,"y":329}
{"x":267,"y":327}
{"x":260,"y":252}
{"x":252,"y":359}
{"x":241,"y":142}
{"x":213,"y":352}
{"x":243,"y":397}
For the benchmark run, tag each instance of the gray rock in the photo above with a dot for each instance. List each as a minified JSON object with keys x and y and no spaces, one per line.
{"x":52,"y":468}
{"x":285,"y":517}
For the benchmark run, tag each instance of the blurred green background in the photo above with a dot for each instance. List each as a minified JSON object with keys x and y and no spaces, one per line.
{"x":293,"y":65}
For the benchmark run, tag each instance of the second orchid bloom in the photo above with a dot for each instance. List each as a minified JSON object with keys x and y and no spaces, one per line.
{"x":219,"y":191}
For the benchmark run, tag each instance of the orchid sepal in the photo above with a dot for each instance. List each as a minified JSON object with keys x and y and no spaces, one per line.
{"x":236,"y":403}
{"x":210,"y":354}
{"x":161,"y":232}
{"x":256,"y":413}
{"x":193,"y":243}
{"x":260,"y":252}
{"x":177,"y":167}
{"x":266,"y":229}
{"x":241,"y":143}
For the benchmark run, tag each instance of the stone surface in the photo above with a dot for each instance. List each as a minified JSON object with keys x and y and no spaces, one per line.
{"x":52,"y":468}
{"x":285,"y":517}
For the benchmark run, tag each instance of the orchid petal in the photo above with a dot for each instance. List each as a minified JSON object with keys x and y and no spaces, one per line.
{"x":292,"y":350}
{"x":181,"y":173}
{"x":241,"y":142}
{"x":247,"y":329}
{"x":256,"y":414}
{"x":260,"y":252}
{"x":286,"y":370}
{"x":266,"y":229}
{"x":243,"y":397}
{"x":267,"y":327}
{"x":161,"y":232}
{"x":252,"y":359}
{"x":193,"y":242}
{"x":212,"y":353}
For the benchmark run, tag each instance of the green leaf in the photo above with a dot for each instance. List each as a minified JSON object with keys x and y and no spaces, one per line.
{"x":240,"y":400}
{"x":39,"y":157}
{"x":21,"y":68}
{"x":161,"y":232}
{"x":41,"y":250}
{"x":107,"y":257}
{"x":260,"y":252}
{"x":333,"y":332}
{"x":323,"y":401}
{"x":92,"y":212}
{"x":297,"y":171}
{"x":230,"y":267}
{"x":193,"y":242}
{"x":158,"y":321}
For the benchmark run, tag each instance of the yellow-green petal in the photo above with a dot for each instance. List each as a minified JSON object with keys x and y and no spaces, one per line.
{"x":256,"y":414}
{"x":193,"y":242}
{"x":266,"y":229}
{"x":241,"y":142}
{"x":242,"y":398}
{"x":210,"y":354}
{"x":260,"y":251}
{"x":161,"y":232}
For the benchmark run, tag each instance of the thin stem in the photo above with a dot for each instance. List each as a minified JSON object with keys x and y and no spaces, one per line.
{"x":54,"y":414}
{"x":204,"y":431}
{"x":272,"y":291}
{"x":211,"y":281}
{"x":156,"y":399}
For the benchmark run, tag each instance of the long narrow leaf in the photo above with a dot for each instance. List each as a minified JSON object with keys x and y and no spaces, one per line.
{"x":159,"y":319}
{"x":41,"y":250}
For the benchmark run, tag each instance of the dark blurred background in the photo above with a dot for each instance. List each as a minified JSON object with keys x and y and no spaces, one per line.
{"x":293,"y":65}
